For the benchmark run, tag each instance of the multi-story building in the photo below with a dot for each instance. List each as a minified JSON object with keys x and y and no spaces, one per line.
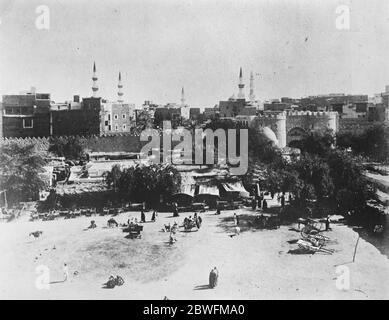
{"x":347,"y":106}
{"x":118,"y":117}
{"x":378,"y":109}
{"x":277,"y":106}
{"x":385,"y":97}
{"x":94,"y":115}
{"x":83,"y":121}
{"x":26,"y":114}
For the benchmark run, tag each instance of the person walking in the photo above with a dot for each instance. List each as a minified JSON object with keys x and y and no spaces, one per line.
{"x":153,"y":217}
{"x":328,"y":223}
{"x":142,"y":216}
{"x":254,"y":203}
{"x":282,"y":201}
{"x":175,"y":210}
{"x":264,"y":204}
{"x":213,"y":278}
{"x":65,"y":272}
{"x":237,"y":231}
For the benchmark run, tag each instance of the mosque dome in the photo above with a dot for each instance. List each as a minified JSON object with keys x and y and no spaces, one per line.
{"x":269,"y":135}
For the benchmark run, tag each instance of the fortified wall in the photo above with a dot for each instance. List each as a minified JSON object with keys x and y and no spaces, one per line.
{"x":94,"y":143}
{"x":290,"y":126}
{"x":287,"y":126}
{"x":109,"y":143}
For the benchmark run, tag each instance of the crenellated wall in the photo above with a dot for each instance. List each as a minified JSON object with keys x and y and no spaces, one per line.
{"x":293,"y":125}
{"x":276,"y":122}
{"x":287,"y":126}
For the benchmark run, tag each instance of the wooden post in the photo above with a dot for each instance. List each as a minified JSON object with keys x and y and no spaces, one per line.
{"x":355,"y":250}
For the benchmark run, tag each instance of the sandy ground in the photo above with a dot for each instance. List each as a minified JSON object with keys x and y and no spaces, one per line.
{"x":254,"y":265}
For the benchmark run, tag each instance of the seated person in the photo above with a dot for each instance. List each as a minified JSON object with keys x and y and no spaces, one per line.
{"x":92,"y":225}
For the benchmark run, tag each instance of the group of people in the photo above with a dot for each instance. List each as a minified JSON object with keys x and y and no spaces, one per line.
{"x":170,"y":228}
{"x":143,"y":216}
{"x":261,"y":202}
{"x":190,"y":222}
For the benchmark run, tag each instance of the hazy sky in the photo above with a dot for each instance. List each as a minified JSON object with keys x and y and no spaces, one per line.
{"x":293,"y":46}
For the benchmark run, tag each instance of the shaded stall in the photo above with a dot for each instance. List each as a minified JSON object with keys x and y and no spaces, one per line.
{"x":185,"y":197}
{"x":234,"y":191}
{"x":209,"y":194}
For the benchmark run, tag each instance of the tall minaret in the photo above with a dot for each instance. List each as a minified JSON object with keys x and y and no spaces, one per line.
{"x":252,"y":95}
{"x":95,"y":88}
{"x":241,"y":85}
{"x":120,"y":86}
{"x":182,"y":97}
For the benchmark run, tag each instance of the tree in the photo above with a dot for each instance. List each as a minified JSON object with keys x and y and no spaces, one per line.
{"x":112,"y":178}
{"x":351,"y":188}
{"x":263,"y":150}
{"x":372,"y":142}
{"x":20,"y":169}
{"x":69,"y":147}
{"x":318,"y":142}
{"x":314,"y":171}
{"x":144,"y":183}
{"x":143,"y":120}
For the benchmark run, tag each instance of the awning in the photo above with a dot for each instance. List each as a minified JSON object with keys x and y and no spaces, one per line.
{"x":211,"y":190}
{"x":188,"y":190}
{"x":236,"y":187}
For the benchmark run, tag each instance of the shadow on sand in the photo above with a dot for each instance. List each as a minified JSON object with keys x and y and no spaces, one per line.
{"x":59,"y":281}
{"x":202,"y":287}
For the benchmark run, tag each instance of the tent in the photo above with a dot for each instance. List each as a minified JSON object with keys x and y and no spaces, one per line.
{"x":188,"y":190}
{"x":237,"y":188}
{"x":208,"y":190}
{"x":185,"y":197}
{"x":208,"y":194}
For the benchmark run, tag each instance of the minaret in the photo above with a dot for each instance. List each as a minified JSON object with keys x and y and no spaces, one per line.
{"x":252,"y":95}
{"x":182,"y":97}
{"x":241,"y":85}
{"x":95,"y":88}
{"x":120,"y":86}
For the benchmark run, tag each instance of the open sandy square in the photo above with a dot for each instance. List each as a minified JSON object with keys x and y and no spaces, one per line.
{"x":254,"y":265}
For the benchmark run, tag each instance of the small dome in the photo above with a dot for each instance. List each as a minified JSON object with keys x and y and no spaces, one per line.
{"x":270,"y":135}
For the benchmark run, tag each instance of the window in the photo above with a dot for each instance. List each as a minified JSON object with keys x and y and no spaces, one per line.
{"x":124,"y":116}
{"x":115,"y":117}
{"x":106,"y":123}
{"x":109,"y":128}
{"x":124,"y":127}
{"x":28,"y":123}
{"x":116,"y":127}
{"x":109,"y":117}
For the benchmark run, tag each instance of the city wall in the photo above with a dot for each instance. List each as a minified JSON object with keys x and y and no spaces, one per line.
{"x":105,"y":143}
{"x":125,"y":143}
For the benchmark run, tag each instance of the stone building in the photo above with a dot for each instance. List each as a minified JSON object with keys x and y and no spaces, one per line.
{"x":26,"y":114}
{"x":290,"y":126}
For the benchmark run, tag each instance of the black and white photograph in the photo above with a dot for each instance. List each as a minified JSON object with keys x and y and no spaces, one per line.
{"x":197,"y":150}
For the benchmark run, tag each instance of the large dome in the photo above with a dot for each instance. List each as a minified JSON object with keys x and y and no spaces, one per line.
{"x":269,"y":134}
